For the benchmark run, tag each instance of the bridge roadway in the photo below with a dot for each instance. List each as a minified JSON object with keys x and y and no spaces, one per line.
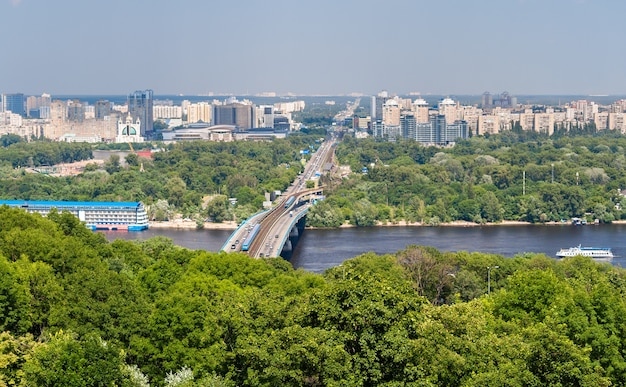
{"x":280,"y":221}
{"x":276,"y":226}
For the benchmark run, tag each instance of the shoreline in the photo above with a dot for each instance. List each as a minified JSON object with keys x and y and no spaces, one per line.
{"x":191,"y":225}
{"x":231,"y":225}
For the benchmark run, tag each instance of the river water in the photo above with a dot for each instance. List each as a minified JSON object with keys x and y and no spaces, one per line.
{"x":319,"y":250}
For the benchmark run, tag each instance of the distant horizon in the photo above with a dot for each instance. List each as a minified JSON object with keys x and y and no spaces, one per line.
{"x":351,"y":95}
{"x":314,"y":48}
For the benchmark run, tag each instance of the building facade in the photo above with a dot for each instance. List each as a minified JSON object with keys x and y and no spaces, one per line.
{"x":129,"y":216}
{"x":14,"y":103}
{"x":140,"y":106}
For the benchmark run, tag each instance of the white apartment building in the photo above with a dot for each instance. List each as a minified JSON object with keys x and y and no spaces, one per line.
{"x":289,"y":107}
{"x":162,"y":112}
{"x":201,"y":111}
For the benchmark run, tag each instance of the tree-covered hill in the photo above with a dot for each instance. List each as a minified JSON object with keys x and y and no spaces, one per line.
{"x":76,"y":310}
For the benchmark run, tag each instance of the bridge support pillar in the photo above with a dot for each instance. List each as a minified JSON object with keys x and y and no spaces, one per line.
{"x":292,"y":240}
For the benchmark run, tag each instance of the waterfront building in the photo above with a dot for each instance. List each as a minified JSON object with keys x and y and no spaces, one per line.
{"x":129,"y":216}
{"x":141,"y":107}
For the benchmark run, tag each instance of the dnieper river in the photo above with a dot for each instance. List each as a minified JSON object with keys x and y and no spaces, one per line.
{"x":319,"y":250}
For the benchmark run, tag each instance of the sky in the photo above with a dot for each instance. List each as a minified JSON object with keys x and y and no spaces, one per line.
{"x":313,"y":47}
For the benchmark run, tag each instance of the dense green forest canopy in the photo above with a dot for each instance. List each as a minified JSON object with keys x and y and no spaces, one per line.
{"x":175,"y":180}
{"x":76,"y":310}
{"x":512,"y":176}
{"x":517,"y":176}
{"x":15,"y":152}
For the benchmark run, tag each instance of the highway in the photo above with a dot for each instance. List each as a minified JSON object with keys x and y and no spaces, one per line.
{"x":277,"y":222}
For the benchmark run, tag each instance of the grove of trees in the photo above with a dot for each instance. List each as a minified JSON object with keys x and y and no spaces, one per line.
{"x":515,"y":176}
{"x":174,"y":181}
{"x":76,"y":310}
{"x":512,"y":176}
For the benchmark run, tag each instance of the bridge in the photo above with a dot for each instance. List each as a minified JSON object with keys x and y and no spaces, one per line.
{"x":273,"y":232}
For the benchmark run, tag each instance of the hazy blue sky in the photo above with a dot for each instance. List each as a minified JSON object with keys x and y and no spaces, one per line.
{"x":313,"y":47}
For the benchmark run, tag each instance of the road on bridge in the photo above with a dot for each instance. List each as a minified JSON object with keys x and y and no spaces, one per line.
{"x":276,"y":223}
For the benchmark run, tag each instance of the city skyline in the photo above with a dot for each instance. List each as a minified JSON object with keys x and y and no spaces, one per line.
{"x":193,"y":47}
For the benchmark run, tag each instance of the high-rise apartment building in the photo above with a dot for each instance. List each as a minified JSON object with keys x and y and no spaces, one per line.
{"x":449,"y":108}
{"x":200,"y":112}
{"x":164,"y":112}
{"x":487,"y":100}
{"x":377,"y":105}
{"x":76,"y":111}
{"x":58,"y":111}
{"x":103,"y":109}
{"x":391,"y":113}
{"x":140,"y":107}
{"x":14,"y":103}
{"x":38,"y":107}
{"x":420,"y":110}
{"x":488,"y":124}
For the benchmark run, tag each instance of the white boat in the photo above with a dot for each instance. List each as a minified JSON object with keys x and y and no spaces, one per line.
{"x":597,"y":253}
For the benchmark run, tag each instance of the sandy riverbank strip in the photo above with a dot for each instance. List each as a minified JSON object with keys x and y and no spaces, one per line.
{"x":191,"y":225}
{"x":230,"y":225}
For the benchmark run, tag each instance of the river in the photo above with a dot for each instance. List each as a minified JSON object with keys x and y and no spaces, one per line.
{"x":319,"y":250}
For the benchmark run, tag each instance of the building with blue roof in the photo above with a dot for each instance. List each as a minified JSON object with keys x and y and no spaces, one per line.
{"x":129,"y":216}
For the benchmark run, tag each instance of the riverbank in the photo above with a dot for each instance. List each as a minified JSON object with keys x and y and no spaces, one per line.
{"x":192,"y":225}
{"x":230,"y":225}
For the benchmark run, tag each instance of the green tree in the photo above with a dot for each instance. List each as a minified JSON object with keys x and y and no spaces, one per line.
{"x":218,"y":209}
{"x":66,"y":360}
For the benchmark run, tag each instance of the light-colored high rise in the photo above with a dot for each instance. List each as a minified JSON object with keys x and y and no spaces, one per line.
{"x":447,"y":107}
{"x":200,"y":112}
{"x":420,"y":110}
{"x":391,"y":113}
{"x":488,"y":124}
